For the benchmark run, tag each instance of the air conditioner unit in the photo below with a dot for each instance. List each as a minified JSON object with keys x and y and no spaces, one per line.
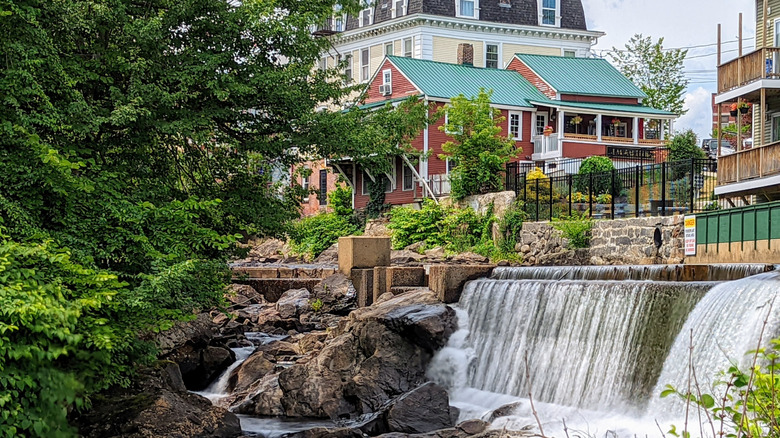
{"x":386,"y":89}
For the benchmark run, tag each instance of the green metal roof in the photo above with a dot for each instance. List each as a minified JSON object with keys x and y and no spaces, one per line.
{"x":608,"y":108}
{"x":583,"y":76}
{"x":443,"y":80}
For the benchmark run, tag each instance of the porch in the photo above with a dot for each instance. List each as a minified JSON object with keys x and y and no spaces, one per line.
{"x":749,"y":169}
{"x":749,"y":69}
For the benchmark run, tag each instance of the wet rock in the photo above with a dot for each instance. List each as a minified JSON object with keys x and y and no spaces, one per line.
{"x":416,"y":247}
{"x":473,"y":427}
{"x":435,"y":253}
{"x":262,"y":397}
{"x":292,"y":303}
{"x":254,"y":368}
{"x":421,"y":410}
{"x":243,"y":295}
{"x":470,"y":258}
{"x":504,"y":411}
{"x":403,"y":257}
{"x":156,"y":405}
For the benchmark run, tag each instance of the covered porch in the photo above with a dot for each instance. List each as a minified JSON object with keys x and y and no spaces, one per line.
{"x":599,"y":124}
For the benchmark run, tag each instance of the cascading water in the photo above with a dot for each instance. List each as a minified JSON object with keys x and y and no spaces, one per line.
{"x":218,"y":388}
{"x":595,"y":348}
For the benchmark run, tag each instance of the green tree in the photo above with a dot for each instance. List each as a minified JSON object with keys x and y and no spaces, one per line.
{"x":685,"y":146}
{"x":138,"y":142}
{"x":478,"y":149}
{"x":601,"y":168}
{"x":658,"y":72}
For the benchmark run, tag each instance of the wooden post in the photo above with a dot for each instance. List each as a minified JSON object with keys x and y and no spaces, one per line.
{"x":739,"y":57}
{"x":740,"y":34}
{"x":764,"y":24}
{"x":720,"y":125}
{"x":739,"y":128}
{"x":719,"y":44}
{"x":762,"y":117}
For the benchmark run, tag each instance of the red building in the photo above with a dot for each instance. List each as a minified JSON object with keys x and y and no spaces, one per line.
{"x":591,"y":107}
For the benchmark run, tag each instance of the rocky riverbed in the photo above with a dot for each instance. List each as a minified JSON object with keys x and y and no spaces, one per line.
{"x":315,"y":357}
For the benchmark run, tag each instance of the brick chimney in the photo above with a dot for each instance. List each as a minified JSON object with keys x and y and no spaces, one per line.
{"x":465,"y":54}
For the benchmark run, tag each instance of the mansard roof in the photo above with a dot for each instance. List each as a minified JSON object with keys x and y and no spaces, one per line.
{"x":519,"y":12}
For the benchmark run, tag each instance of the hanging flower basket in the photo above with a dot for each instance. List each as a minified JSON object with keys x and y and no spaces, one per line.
{"x":733,"y":111}
{"x":743,"y":107}
{"x":547,"y":131}
{"x":615,"y":121}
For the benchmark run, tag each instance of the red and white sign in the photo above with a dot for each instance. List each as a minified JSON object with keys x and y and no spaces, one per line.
{"x":690,"y":235}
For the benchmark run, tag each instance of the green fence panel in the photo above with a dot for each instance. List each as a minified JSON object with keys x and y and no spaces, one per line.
{"x":742,"y":224}
{"x":762,"y":223}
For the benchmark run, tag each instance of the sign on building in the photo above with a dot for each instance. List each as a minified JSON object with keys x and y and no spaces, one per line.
{"x":690,"y":235}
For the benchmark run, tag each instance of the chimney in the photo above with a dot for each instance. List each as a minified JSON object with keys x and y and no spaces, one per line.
{"x":465,"y":54}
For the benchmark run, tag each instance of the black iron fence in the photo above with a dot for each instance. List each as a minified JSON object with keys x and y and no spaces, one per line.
{"x":675,"y":187}
{"x":622,"y":158}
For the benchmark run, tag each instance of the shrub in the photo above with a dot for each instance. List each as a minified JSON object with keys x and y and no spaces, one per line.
{"x":602,"y":180}
{"x":576,"y":228}
{"x":341,"y":200}
{"x":312,"y":235}
{"x":511,"y":225}
{"x":410,"y":226}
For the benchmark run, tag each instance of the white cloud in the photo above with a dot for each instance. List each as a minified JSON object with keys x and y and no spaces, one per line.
{"x":699,"y":116}
{"x":682,"y":24}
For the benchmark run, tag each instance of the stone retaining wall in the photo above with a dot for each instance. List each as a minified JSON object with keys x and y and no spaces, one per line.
{"x":613,"y":242}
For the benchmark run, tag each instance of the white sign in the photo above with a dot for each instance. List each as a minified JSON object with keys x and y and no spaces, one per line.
{"x":690,"y":235}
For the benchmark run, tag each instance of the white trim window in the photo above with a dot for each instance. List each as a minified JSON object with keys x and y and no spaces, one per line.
{"x":389,"y":49}
{"x":549,"y":12}
{"x":449,"y":164}
{"x":541,"y":122}
{"x":446,"y":125}
{"x":305,"y":183}
{"x":408,"y":47}
{"x":348,"y":70}
{"x":569,"y":53}
{"x":775,"y":127}
{"x":399,"y":8}
{"x":323,"y":63}
{"x":492,"y":55}
{"x":515,"y":125}
{"x":467,"y":8}
{"x":407,"y":178}
{"x":364,"y":65}
{"x":366,"y":17}
{"x":387,"y":77}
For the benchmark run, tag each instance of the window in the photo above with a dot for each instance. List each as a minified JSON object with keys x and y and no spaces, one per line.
{"x":398,"y":10}
{"x":323,"y":187}
{"x":541,"y":122}
{"x":323,"y":64}
{"x":408,"y":178}
{"x":364,"y":65}
{"x":724,"y":118}
{"x":338,"y":24}
{"x":569,"y":54}
{"x":450,"y":164}
{"x":549,"y":12}
{"x":383,"y":178}
{"x":365,"y":17}
{"x":348,"y":70}
{"x":408,"y":47}
{"x":305,"y":183}
{"x":775,"y":128}
{"x":515,"y":125}
{"x":466,"y":8}
{"x":447,"y":129}
{"x":387,"y":77}
{"x":389,"y":49}
{"x":491,"y":56}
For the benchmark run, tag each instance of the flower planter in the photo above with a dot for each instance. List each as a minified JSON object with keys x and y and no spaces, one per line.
{"x":743,"y":110}
{"x":733,"y":113}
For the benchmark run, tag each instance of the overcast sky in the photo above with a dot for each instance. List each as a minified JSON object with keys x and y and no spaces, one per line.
{"x":682,"y":23}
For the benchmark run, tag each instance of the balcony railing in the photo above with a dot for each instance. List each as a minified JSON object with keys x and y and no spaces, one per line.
{"x":749,"y":164}
{"x":545,"y":143}
{"x":761,"y":64}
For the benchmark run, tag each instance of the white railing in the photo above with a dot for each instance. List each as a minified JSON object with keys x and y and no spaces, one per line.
{"x":545,"y":143}
{"x":440,"y":184}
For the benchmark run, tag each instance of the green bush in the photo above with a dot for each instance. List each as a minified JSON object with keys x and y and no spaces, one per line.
{"x":601,"y":167}
{"x":576,"y":228}
{"x":312,"y":235}
{"x":340,"y":200}
{"x":511,"y":225}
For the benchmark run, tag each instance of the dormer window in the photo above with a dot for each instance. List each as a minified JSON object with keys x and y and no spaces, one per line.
{"x":549,"y":12}
{"x":366,"y":15}
{"x":467,"y":8}
{"x":399,"y":8}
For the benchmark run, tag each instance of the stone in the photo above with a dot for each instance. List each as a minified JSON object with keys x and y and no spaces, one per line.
{"x":254,"y":368}
{"x":243,"y":295}
{"x":470,"y":258}
{"x":417,"y":247}
{"x":447,"y":281}
{"x":500,"y":201}
{"x":473,"y":427}
{"x":292,"y":303}
{"x":156,"y":405}
{"x":377,"y":227}
{"x":270,"y":249}
{"x":363,"y":252}
{"x":336,"y":293}
{"x":421,"y":410}
{"x":329,"y":256}
{"x":363,"y":281}
{"x":263,"y":397}
{"x":504,"y":411}
{"x":435,"y":253}
{"x":405,"y":256}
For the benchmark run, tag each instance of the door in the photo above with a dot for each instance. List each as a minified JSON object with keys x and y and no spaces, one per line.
{"x":541,"y":122}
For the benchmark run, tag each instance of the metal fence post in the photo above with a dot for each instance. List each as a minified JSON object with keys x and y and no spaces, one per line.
{"x":636,"y":192}
{"x":551,"y":198}
{"x":612,"y":193}
{"x":590,"y":195}
{"x":693,"y":185}
{"x":571,"y":183}
{"x":537,"y":199}
{"x":663,"y":189}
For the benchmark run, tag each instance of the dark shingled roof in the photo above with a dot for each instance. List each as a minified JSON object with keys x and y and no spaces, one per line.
{"x":522,"y":12}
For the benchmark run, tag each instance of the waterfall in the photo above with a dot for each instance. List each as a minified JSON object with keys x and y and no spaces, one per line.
{"x":602,"y":342}
{"x":589,"y":343}
{"x":725,"y":325}
{"x":218,"y":388}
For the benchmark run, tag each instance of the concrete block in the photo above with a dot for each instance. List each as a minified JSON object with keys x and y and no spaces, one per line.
{"x":273,"y":288}
{"x":287,"y":273}
{"x":363,"y":281}
{"x":363,"y":252}
{"x":447,"y":281}
{"x":380,"y":282}
{"x":256,"y":272}
{"x":309,"y":273}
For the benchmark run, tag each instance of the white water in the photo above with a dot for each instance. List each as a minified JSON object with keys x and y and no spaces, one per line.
{"x":715,"y":272}
{"x":218,"y":388}
{"x":582,"y":337}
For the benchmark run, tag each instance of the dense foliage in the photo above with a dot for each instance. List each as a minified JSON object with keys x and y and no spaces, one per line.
{"x":478,"y":149}
{"x":454,"y":229}
{"x":684,"y":146}
{"x":657,"y":71}
{"x":312,"y":235}
{"x":575,"y":228}
{"x":601,"y":179}
{"x":138,"y":142}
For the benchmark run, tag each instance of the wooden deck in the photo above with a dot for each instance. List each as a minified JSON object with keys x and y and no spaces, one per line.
{"x":749,"y":164}
{"x":749,"y":68}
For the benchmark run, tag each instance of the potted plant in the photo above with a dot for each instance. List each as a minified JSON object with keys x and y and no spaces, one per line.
{"x":547,"y":131}
{"x":576,"y":120}
{"x":733,"y":109}
{"x":615,"y":121}
{"x":743,"y":107}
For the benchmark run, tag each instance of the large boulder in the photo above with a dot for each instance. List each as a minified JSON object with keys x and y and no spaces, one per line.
{"x":330,"y":256}
{"x":254,"y":368}
{"x":292,"y":303}
{"x":421,"y":410}
{"x":262,"y":397}
{"x":336,"y":293}
{"x":156,"y":405}
{"x":243,"y":295}
{"x":378,"y":353}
